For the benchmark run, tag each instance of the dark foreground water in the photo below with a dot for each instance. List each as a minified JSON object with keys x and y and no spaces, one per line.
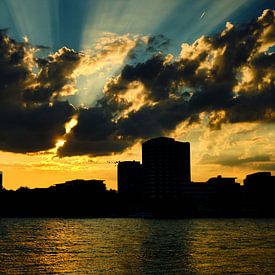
{"x":137,"y":246}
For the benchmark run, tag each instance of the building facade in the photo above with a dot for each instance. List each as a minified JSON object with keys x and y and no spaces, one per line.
{"x":259,"y":180}
{"x":129,"y":179}
{"x":166,"y":167}
{"x":1,"y":180}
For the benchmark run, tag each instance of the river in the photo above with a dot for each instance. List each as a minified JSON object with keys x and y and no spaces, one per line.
{"x":137,"y":246}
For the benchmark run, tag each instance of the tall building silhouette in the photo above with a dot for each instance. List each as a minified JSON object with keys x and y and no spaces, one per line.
{"x":129,"y":178}
{"x":1,"y":180}
{"x":166,"y":167}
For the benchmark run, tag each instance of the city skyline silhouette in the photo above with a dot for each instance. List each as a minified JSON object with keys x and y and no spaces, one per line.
{"x":160,"y":187}
{"x":137,"y":136}
{"x":78,"y":95}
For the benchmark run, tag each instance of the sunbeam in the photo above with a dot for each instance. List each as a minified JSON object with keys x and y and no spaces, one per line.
{"x":83,"y":80}
{"x":124,"y":17}
{"x":215,"y":15}
{"x":32,"y":19}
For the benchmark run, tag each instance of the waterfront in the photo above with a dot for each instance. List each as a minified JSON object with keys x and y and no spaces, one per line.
{"x":137,"y":246}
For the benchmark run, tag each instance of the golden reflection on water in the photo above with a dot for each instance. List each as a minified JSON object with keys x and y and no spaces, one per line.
{"x":136,"y":246}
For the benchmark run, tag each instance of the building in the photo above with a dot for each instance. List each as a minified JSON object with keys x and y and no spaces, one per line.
{"x":80,"y":185}
{"x":221,"y":180}
{"x":1,"y":180}
{"x":259,"y":180}
{"x":258,"y":194}
{"x":129,"y":179}
{"x":166,"y":167}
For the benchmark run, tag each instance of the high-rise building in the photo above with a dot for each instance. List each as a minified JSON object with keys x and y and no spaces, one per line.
{"x":1,"y":180}
{"x":129,"y":179}
{"x":166,"y":167}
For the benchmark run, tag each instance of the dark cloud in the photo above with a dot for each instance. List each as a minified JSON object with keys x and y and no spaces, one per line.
{"x":33,"y":129}
{"x":230,"y":77}
{"x":152,"y":121}
{"x":31,"y":117}
{"x":146,"y":47}
{"x":266,"y":166}
{"x":95,"y":134}
{"x":157,"y":42}
{"x":156,"y":77}
{"x":55,"y":76}
{"x":235,"y":160}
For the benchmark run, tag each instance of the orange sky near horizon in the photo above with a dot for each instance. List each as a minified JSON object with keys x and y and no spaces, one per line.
{"x":98,"y":102}
{"x":219,"y":152}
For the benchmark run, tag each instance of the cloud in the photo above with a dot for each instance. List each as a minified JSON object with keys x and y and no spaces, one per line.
{"x":228,"y":77}
{"x":31,"y":116}
{"x":95,"y":134}
{"x":109,"y":50}
{"x":33,"y":91}
{"x":235,"y":160}
{"x":266,"y":166}
{"x":32,"y":129}
{"x":222,"y":79}
{"x":146,"y":46}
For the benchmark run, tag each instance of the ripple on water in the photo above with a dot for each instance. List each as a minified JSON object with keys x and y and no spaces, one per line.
{"x":137,"y":246}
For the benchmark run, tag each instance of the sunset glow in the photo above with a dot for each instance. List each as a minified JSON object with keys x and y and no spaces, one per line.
{"x":76,"y":96}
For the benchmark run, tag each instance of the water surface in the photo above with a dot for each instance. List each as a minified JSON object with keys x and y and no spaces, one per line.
{"x":137,"y":246}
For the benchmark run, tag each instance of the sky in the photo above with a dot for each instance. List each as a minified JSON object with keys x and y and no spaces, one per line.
{"x":83,"y":83}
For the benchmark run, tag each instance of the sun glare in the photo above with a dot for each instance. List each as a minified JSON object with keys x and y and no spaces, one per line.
{"x":60,"y":143}
{"x":71,"y":124}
